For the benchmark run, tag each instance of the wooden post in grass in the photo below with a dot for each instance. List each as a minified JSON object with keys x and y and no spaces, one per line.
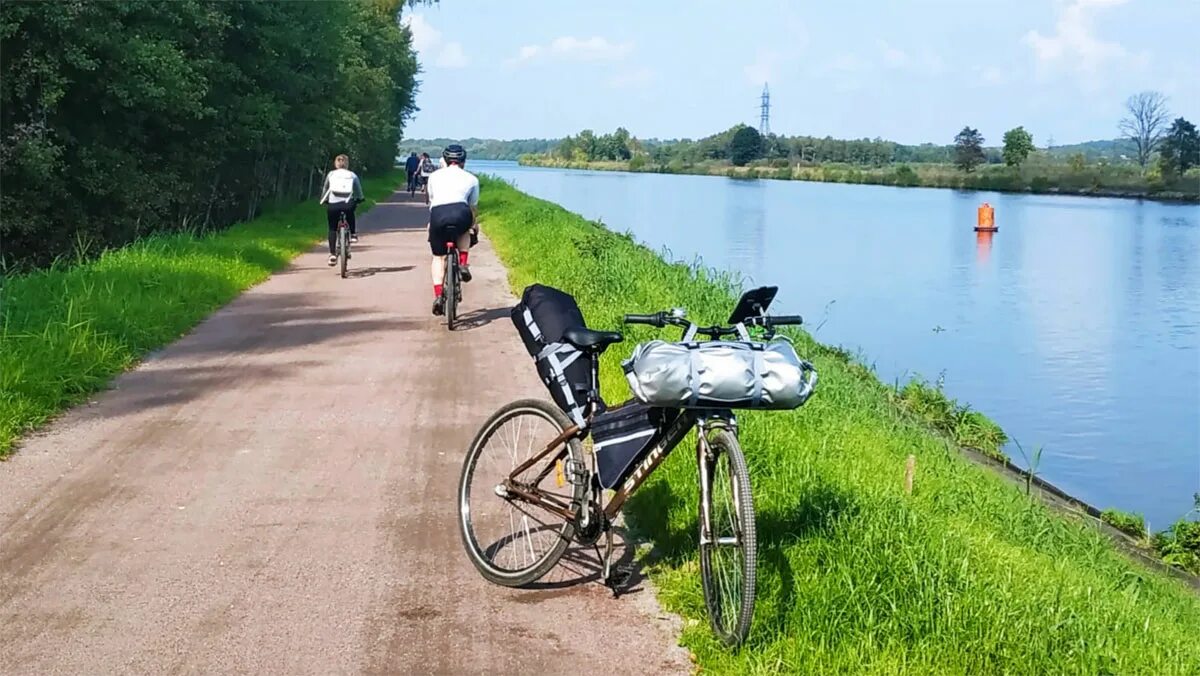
{"x":910,"y":469}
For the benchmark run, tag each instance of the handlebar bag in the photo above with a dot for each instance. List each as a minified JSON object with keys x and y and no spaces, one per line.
{"x":541,"y":317}
{"x":720,"y":374}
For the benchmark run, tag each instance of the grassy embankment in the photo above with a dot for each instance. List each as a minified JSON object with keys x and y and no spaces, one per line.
{"x":967,"y":574}
{"x":1110,"y":181}
{"x":67,"y":330}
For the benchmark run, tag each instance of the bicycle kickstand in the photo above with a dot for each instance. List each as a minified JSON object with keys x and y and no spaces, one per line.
{"x":613,"y":579}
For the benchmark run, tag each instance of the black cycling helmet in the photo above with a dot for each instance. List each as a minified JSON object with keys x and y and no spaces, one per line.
{"x":454,"y":153}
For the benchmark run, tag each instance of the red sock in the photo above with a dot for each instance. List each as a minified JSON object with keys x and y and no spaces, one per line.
{"x":462,"y":257}
{"x":437,"y":290}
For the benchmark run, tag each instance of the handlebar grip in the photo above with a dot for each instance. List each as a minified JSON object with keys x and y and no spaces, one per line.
{"x":653,"y":320}
{"x":783,"y":320}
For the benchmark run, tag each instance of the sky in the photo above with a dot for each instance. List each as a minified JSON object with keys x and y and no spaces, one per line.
{"x":911,"y":71}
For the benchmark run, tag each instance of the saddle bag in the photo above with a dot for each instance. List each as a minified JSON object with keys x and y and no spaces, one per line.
{"x":541,"y":317}
{"x":720,"y":374}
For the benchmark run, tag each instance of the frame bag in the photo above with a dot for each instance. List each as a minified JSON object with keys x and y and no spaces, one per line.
{"x":621,"y":438}
{"x":541,"y":317}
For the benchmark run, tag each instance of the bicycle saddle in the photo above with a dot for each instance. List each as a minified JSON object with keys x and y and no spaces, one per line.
{"x":589,"y":340}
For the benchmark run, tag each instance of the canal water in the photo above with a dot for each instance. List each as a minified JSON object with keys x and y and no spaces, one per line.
{"x":1076,"y":326}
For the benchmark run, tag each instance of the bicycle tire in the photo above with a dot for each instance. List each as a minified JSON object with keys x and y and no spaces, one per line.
{"x":479,"y":556}
{"x":450,"y":289}
{"x":343,"y":250}
{"x":729,"y":589}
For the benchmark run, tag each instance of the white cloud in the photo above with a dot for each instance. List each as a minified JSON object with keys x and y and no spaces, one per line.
{"x":427,"y":40}
{"x":1074,"y":46}
{"x":635,"y":78}
{"x":594,"y":48}
{"x":424,"y":35}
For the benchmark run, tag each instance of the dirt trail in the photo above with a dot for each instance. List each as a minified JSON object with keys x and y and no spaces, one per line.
{"x":274,"y":493}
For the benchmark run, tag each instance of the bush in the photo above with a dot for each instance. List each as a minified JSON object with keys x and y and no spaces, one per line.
{"x":1133,"y":524}
{"x":1180,"y":545}
{"x":904,"y":175}
{"x":637,"y":162}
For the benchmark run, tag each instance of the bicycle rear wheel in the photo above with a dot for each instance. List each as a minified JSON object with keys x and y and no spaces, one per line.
{"x":513,"y":542}
{"x":450,"y":289}
{"x":343,"y":249}
{"x":728,"y":553}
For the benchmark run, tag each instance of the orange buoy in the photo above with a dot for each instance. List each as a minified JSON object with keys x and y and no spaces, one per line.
{"x":986,"y":219}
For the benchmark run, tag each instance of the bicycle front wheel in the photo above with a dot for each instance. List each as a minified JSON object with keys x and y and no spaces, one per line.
{"x":728,"y":553}
{"x":512,"y":541}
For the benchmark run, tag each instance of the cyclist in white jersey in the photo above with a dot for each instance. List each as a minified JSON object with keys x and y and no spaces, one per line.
{"x":341,"y":194}
{"x":453,"y":201}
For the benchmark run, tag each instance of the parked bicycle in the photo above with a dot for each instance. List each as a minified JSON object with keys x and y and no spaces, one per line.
{"x":528,"y":489}
{"x":343,"y":244}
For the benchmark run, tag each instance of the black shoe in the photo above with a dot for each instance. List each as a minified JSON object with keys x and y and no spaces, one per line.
{"x":439,"y":306}
{"x":464,"y":272}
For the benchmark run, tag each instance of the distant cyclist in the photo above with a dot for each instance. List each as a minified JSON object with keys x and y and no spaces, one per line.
{"x":341,"y":194}
{"x":453,"y":200}
{"x":425,"y":170}
{"x":411,"y":165}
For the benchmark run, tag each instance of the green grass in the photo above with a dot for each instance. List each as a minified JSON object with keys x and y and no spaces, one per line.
{"x":966,"y":575}
{"x":67,"y":330}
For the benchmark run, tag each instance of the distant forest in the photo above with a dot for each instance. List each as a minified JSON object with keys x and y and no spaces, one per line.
{"x":495,"y":149}
{"x":480,"y":148}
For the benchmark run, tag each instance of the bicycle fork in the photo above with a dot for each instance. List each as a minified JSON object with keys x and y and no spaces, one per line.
{"x":706,"y":461}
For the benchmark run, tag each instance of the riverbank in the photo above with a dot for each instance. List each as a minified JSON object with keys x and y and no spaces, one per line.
{"x":67,"y":330}
{"x":1048,"y":180}
{"x":966,"y":574}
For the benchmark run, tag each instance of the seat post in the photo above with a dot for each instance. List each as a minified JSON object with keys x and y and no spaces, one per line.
{"x":594,"y":358}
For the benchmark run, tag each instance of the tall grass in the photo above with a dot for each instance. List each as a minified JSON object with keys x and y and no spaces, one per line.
{"x":66,"y":330}
{"x":965,"y":575}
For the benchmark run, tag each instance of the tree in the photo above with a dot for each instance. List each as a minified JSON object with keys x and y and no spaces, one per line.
{"x":1018,"y":143}
{"x":1181,"y":146}
{"x":1145,"y":123}
{"x":745,"y":145}
{"x":968,"y":149}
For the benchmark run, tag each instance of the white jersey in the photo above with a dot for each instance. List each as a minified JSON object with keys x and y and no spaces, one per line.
{"x":340,"y":186}
{"x":453,"y":185}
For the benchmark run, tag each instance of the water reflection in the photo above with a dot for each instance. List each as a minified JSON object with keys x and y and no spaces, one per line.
{"x":745,"y":226}
{"x":983,"y":246}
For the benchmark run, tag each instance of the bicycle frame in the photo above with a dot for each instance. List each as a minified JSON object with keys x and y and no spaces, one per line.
{"x":673,"y":435}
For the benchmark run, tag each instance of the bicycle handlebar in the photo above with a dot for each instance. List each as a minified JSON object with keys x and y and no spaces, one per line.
{"x":653,"y":320}
{"x":662,"y":319}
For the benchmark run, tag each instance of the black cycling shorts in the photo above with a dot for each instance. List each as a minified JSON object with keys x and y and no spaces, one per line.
{"x":447,"y":222}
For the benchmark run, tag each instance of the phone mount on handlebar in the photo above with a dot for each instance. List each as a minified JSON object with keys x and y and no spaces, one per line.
{"x":753,"y":303}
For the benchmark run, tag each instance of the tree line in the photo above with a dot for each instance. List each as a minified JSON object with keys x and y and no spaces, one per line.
{"x":479,"y":148}
{"x":1145,"y":132}
{"x":120,"y":118}
{"x":1144,"y":126}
